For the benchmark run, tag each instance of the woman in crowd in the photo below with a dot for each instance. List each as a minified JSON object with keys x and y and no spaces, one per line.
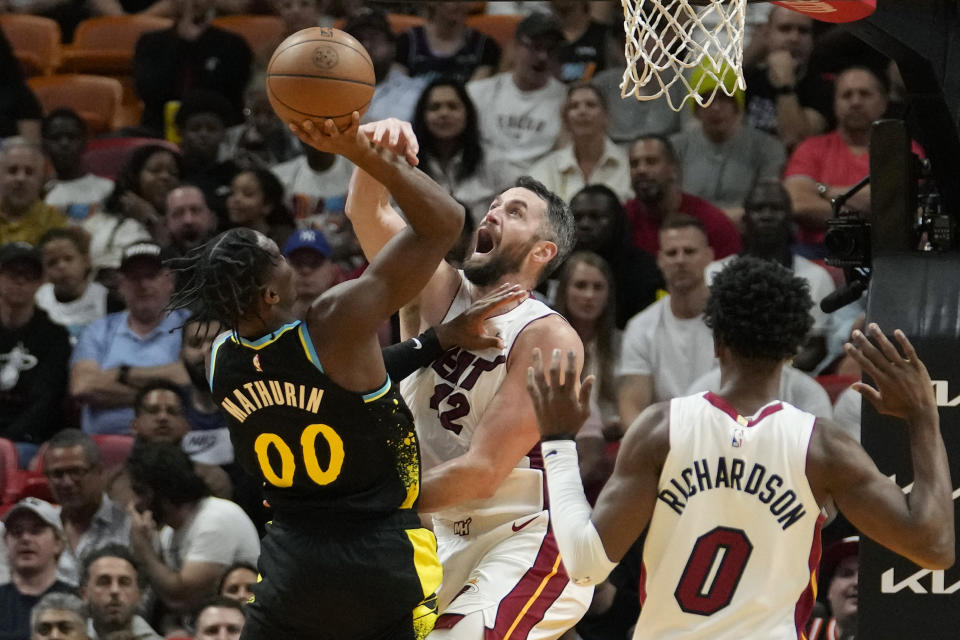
{"x":68,"y":296}
{"x":591,"y":157}
{"x":134,"y":210}
{"x":585,"y":297}
{"x":237,"y":582}
{"x":256,"y":202}
{"x":445,"y":123}
{"x":446,"y":46}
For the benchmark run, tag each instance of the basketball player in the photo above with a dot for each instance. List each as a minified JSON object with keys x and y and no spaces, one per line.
{"x":483,"y":476}
{"x":735,"y":485}
{"x":313,"y":413}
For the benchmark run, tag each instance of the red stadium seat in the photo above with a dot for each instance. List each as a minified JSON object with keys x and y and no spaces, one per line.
{"x":834,"y":385}
{"x":9,"y":468}
{"x":114,"y":449}
{"x":105,"y":156}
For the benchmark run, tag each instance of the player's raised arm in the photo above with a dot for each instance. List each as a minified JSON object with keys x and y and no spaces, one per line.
{"x":592,"y":542}
{"x":919,"y":528}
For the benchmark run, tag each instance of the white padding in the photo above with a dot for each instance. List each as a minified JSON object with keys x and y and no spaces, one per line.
{"x":582,"y":551}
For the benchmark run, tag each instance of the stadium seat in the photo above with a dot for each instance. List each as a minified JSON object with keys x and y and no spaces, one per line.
{"x":500,"y":27}
{"x":114,"y":449}
{"x":260,"y":32}
{"x":105,"y":45}
{"x":105,"y":156}
{"x":9,"y":468}
{"x":835,"y":385}
{"x":35,"y":41}
{"x":96,"y":99}
{"x":400,"y":22}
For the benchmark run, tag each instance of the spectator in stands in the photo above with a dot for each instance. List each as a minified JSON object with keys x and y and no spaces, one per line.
{"x":602,"y":228}
{"x":188,"y":221}
{"x":262,"y":140}
{"x":112,"y":586}
{"x":20,"y":113}
{"x":520,"y":109}
{"x":77,"y":193}
{"x":256,"y":202}
{"x":33,"y":355}
{"x":208,"y":441}
{"x":591,"y":157}
{"x":446,"y":47}
{"x":396,"y":93}
{"x":767,"y":234}
{"x":189,"y":55}
{"x":69,"y":296}
{"x":34,"y":539}
{"x":668,"y":346}
{"x":655,"y":175}
{"x":447,"y":128}
{"x":302,"y":14}
{"x":796,"y":388}
{"x":238,"y":581}
{"x":824,"y":167}
{"x":783,"y":99}
{"x":160,"y":418}
{"x":585,"y":50}
{"x":723,"y":159}
{"x":308,"y":252}
{"x":24,"y":216}
{"x":586,"y":298}
{"x":62,"y":616}
{"x":631,"y":119}
{"x":119,"y":353}
{"x":202,"y":122}
{"x":201,"y":535}
{"x":315,"y":185}
{"x":839,"y":577}
{"x":134,"y":211}
{"x":89,"y":518}
{"x":219,"y":619}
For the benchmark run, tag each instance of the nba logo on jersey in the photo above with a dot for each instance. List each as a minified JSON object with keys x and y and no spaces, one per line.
{"x":256,"y":363}
{"x":737,"y":440}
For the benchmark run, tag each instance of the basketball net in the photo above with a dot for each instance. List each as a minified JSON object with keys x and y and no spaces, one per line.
{"x":667,"y":39}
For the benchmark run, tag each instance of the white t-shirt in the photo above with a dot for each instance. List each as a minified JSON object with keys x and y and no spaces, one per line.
{"x":517,"y":127}
{"x":78,"y":199}
{"x":109,"y":236}
{"x":846,"y":412}
{"x":219,"y":531}
{"x":675,"y":352}
{"x":77,"y":314}
{"x":395,"y":97}
{"x":310,"y":193}
{"x":821,"y":285}
{"x":796,"y":388}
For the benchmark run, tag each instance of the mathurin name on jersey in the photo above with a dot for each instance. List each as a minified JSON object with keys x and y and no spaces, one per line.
{"x":699,"y":479}
{"x":269,"y":393}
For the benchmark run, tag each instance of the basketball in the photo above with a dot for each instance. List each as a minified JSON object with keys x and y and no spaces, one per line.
{"x":320,"y":73}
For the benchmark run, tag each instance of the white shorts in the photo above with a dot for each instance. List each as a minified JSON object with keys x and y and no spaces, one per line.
{"x":510,"y":572}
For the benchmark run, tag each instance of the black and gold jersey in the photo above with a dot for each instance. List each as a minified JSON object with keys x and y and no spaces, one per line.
{"x":320,"y":449}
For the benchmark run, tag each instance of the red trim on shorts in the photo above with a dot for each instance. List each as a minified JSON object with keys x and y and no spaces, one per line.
{"x":448,"y":620}
{"x":642,"y":584}
{"x":527,"y":603}
{"x":728,"y":409}
{"x":801,"y":613}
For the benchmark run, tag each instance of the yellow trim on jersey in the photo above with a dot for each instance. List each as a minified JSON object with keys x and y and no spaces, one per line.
{"x":379,"y":393}
{"x":533,"y":598}
{"x":427,"y":565}
{"x":307,"y":342}
{"x":268,"y":339}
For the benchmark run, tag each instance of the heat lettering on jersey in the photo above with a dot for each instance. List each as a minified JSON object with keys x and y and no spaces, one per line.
{"x":701,"y":477}
{"x":259,"y":394}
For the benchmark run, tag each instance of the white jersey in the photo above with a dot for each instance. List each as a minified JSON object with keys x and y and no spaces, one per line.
{"x":449,"y":398}
{"x":735,"y":534}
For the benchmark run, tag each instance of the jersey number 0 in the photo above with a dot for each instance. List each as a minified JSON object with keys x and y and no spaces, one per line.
{"x":713,"y":571}
{"x":308,"y":445}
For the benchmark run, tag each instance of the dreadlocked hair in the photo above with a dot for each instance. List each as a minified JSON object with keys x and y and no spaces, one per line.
{"x":220,"y":280}
{"x":759,"y":309}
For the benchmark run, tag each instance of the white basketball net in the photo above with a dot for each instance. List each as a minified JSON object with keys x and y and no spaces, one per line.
{"x":667,"y":39}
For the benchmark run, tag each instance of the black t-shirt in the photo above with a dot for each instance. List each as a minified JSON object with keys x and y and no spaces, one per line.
{"x":17,"y":102}
{"x":15,"y":609}
{"x":576,"y":58}
{"x":414,"y":53}
{"x":33,"y":379}
{"x":813,"y":92}
{"x":324,"y":453}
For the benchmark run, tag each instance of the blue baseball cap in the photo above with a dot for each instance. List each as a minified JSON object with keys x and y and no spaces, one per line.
{"x":307,"y":239}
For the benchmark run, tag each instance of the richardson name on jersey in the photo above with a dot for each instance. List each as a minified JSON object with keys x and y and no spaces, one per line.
{"x":734,"y":474}
{"x":256,"y":395}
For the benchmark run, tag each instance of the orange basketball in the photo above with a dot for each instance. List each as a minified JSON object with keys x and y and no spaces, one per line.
{"x":320,"y":73}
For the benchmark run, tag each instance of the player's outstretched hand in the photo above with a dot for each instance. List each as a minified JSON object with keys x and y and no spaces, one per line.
{"x":395,"y":135}
{"x":467,"y":330}
{"x":562,"y":404}
{"x":324,"y":135}
{"x":903,"y":387}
